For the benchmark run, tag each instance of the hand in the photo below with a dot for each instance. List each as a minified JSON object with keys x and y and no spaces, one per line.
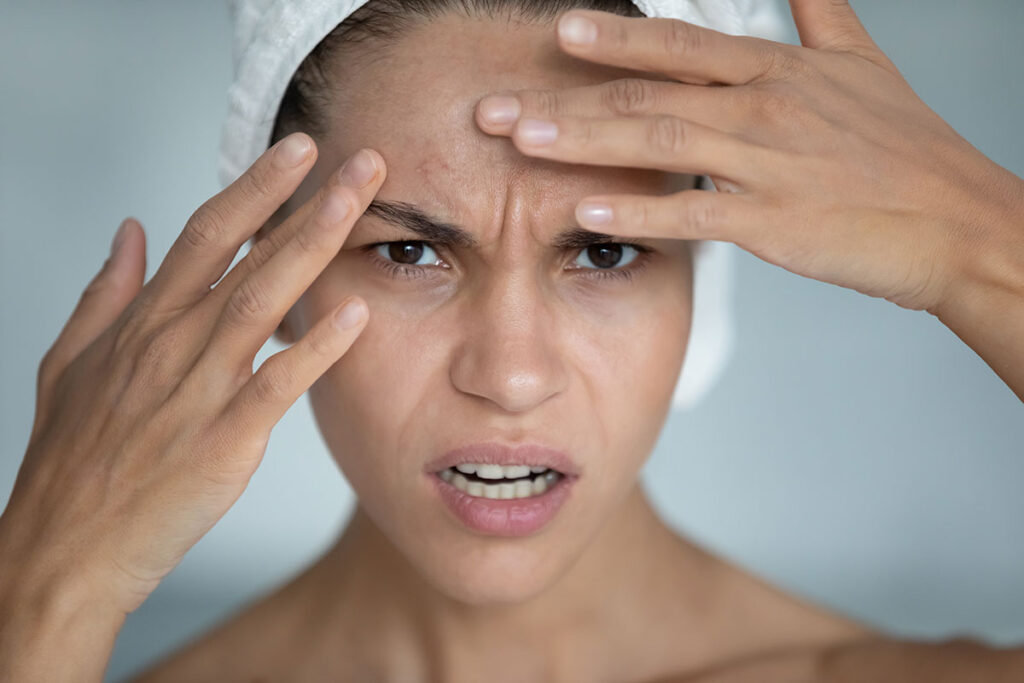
{"x":831,"y":166}
{"x":149,"y":418}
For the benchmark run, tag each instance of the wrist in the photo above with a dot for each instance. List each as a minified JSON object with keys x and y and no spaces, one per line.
{"x":55,"y":630}
{"x":55,"y":622}
{"x":984,"y":304}
{"x":988,"y":257}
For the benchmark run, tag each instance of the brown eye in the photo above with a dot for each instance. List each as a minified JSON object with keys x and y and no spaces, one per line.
{"x":605,"y":256}
{"x":405,"y":252}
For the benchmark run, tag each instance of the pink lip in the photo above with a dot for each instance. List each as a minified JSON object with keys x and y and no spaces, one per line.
{"x":493,"y":453}
{"x":517,"y":517}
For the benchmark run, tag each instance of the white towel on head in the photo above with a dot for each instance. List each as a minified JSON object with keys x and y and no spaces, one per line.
{"x":272,"y":37}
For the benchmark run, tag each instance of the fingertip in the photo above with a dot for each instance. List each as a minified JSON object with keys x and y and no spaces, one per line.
{"x":313,"y":149}
{"x":379,"y":164}
{"x":498,"y":112}
{"x":352,"y":313}
{"x":292,"y":151}
{"x":121,"y":252}
{"x":577,"y":29}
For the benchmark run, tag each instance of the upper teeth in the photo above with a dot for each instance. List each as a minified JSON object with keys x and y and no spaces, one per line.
{"x":498,"y":471}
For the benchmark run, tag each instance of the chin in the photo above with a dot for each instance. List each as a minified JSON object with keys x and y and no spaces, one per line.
{"x":498,"y":572}
{"x":510,"y":581}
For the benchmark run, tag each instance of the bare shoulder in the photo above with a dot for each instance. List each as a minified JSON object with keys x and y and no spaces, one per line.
{"x":955,"y":660}
{"x":207,"y":657}
{"x":876,"y":659}
{"x":247,"y":646}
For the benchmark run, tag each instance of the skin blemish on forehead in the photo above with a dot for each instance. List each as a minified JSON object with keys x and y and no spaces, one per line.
{"x":430,"y":166}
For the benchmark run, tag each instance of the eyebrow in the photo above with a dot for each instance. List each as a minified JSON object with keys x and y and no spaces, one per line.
{"x":410,"y":217}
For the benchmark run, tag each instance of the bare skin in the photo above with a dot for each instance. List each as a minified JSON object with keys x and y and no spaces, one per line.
{"x":361,"y":612}
{"x":513,"y":339}
{"x":678,"y":613}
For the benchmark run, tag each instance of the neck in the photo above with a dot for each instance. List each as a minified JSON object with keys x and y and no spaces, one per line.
{"x":614,"y":593}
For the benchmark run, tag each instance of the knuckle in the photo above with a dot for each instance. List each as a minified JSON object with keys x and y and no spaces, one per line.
{"x":257,"y":183}
{"x":786,"y":64}
{"x":681,"y":39}
{"x":701,"y":217}
{"x":640,"y":214}
{"x":272,"y":382}
{"x":98,"y":285}
{"x":583,"y":133}
{"x":261,"y":251}
{"x":47,"y":368}
{"x":205,"y":226}
{"x":46,"y":362}
{"x":764,"y":54}
{"x":100,"y":282}
{"x":132,"y":323}
{"x":629,"y":96}
{"x":618,"y":38}
{"x":666,"y":134}
{"x":543,"y":102}
{"x":156,"y":357}
{"x":323,"y":345}
{"x":247,"y":302}
{"x":315,"y":236}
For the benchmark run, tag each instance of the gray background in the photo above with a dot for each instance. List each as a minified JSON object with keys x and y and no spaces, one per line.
{"x":854,"y":453}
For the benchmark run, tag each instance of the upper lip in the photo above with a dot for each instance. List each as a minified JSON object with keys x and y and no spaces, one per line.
{"x":494,"y":453}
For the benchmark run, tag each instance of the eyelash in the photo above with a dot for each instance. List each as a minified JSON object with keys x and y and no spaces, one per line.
{"x":404,"y":270}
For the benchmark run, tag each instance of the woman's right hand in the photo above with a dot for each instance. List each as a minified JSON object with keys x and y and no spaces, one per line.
{"x":149,"y":419}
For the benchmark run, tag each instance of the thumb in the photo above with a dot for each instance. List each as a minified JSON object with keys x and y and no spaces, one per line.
{"x":102,"y":301}
{"x":833,"y":25}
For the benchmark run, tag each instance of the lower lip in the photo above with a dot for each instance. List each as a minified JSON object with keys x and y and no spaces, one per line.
{"x":514,"y":517}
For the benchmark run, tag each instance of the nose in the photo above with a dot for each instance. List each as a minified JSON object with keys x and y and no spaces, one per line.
{"x":510,"y":353}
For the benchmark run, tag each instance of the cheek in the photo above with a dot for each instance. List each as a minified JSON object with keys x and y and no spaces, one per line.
{"x":629,"y":362}
{"x":380,"y":397}
{"x":631,"y":348}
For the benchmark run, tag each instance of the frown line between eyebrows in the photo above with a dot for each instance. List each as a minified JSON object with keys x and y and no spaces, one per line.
{"x":410,"y":217}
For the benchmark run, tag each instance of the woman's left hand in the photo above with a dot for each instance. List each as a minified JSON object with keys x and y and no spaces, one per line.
{"x":826,"y":161}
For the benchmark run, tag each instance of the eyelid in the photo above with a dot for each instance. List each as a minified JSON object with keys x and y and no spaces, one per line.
{"x":410,"y":271}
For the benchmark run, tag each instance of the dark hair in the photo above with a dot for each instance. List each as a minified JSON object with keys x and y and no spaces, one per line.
{"x":380,"y":23}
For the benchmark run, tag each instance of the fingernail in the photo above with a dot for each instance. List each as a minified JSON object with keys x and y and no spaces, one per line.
{"x":592,"y":213}
{"x":292,"y":150}
{"x":537,"y":132}
{"x":119,"y":237}
{"x":350,"y":315}
{"x":500,"y":108}
{"x":359,"y":170}
{"x":577,"y":30}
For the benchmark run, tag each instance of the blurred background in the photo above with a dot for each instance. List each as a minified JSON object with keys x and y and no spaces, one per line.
{"x":854,"y":453}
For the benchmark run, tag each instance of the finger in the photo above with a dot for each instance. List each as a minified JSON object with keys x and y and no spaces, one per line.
{"x":274,"y":240}
{"x":689,"y":214}
{"x":663,"y":142}
{"x":102,"y":301}
{"x":833,"y":25}
{"x":213,"y":234}
{"x":255,"y":308}
{"x":286,"y":375}
{"x":718,"y":107}
{"x":673,"y":47}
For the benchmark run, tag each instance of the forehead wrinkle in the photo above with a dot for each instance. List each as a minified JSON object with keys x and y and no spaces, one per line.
{"x":431,"y":215}
{"x":508,"y":172}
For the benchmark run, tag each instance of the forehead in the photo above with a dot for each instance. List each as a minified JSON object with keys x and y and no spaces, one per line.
{"x":414,"y":102}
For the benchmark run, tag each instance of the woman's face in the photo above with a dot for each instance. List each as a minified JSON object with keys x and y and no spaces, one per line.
{"x":514,"y":340}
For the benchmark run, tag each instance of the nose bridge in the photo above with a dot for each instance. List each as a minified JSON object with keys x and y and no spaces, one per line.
{"x":509,"y":351}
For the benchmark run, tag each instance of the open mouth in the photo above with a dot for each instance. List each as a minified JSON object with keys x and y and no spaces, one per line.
{"x":506,"y":482}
